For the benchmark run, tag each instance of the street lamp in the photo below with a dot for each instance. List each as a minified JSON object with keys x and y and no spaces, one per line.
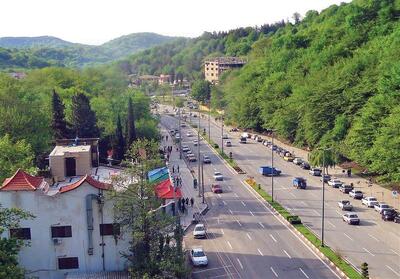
{"x":180,"y":133}
{"x":209,"y":119}
{"x":198,"y":152}
{"x":272,"y":166}
{"x":323,"y":198}
{"x":222,"y":134}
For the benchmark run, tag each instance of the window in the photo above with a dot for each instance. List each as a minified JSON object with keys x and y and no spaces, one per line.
{"x":68,"y":263}
{"x":21,"y":233}
{"x":109,"y":229}
{"x":61,"y":231}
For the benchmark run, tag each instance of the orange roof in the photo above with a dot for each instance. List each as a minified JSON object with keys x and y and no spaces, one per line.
{"x":21,"y":181}
{"x":87,"y":178}
{"x":164,"y":190}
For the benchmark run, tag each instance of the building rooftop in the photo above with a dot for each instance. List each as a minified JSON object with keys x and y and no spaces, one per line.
{"x":227,"y":60}
{"x":61,"y":150}
{"x":22,"y":181}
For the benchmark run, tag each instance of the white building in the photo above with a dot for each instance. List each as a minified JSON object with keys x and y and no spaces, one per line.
{"x":73,"y":230}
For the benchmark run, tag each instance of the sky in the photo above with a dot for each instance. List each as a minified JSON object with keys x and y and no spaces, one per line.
{"x":97,"y":21}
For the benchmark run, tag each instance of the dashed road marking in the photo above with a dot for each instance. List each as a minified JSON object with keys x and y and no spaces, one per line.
{"x":248,"y":236}
{"x":230,"y":211}
{"x":229,"y":244}
{"x":224,"y":202}
{"x":373,"y":237}
{"x":237,"y":221}
{"x":302,"y":271}
{"x":368,"y":252}
{"x":293,"y":195}
{"x":241,"y":266}
{"x":395,"y":252}
{"x":259,"y":251}
{"x":273,"y":238}
{"x":287,"y":254}
{"x":273,"y":271}
{"x":330,"y":223}
{"x":243,"y":203}
{"x":346,"y":235}
{"x":398,"y":274}
{"x":261,"y":225}
{"x":251,"y":213}
{"x":236,"y":195}
{"x":222,"y":231}
{"x":316,"y":212}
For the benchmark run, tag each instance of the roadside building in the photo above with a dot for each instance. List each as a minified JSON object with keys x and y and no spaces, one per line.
{"x":164,"y":79}
{"x":213,"y":68}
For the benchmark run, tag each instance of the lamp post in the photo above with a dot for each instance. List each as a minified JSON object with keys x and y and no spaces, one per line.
{"x":209,"y":120}
{"x":222,"y":134}
{"x":180,"y":134}
{"x":272,"y":165}
{"x":198,"y":153}
{"x":323,"y":198}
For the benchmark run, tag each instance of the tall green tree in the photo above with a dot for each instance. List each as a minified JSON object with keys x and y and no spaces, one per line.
{"x":84,"y":120}
{"x":327,"y":157}
{"x":130,"y":125}
{"x":9,"y":247}
{"x":201,"y":90}
{"x":58,"y":123}
{"x":118,"y":142}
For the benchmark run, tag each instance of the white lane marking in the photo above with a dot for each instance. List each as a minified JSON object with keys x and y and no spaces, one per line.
{"x":316,"y":212}
{"x":368,"y":252}
{"x":371,"y":236}
{"x":224,"y":202}
{"x":261,"y":225}
{"x":346,"y":235}
{"x":259,"y":251}
{"x":330,"y":223}
{"x":218,"y":220}
{"x":395,"y":252}
{"x":302,"y":271}
{"x":230,"y":188}
{"x":339,"y":213}
{"x":273,"y":271}
{"x":287,"y":254}
{"x":213,"y":268}
{"x":229,"y":244}
{"x":222,"y":231}
{"x":251,"y":213}
{"x":248,"y":236}
{"x":237,"y":221}
{"x":219,"y":195}
{"x":243,"y":203}
{"x":293,"y":195}
{"x":241,"y":266}
{"x":273,"y":238}
{"x":398,"y":274}
{"x":230,"y":211}
{"x":236,"y":195}
{"x":303,"y":203}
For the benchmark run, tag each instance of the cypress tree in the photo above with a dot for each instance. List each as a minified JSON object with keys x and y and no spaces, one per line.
{"x":118,"y":143}
{"x":58,"y":123}
{"x":84,"y":121}
{"x":131,"y":130}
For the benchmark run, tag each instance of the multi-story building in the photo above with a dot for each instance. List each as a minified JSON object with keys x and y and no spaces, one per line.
{"x":213,"y":68}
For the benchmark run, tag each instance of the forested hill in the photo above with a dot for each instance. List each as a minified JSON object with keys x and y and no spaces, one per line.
{"x":39,"y":52}
{"x":331,"y":80}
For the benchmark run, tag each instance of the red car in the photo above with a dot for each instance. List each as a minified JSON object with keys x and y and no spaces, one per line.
{"x":216,"y":188}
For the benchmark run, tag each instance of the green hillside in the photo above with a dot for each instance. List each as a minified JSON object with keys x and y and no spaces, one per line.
{"x":33,"y":42}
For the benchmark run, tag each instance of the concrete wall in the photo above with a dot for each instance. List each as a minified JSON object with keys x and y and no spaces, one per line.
{"x":83,"y":164}
{"x":65,"y":209}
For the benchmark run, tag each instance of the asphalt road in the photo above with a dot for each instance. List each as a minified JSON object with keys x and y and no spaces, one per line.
{"x":245,"y":240}
{"x":374,"y":241}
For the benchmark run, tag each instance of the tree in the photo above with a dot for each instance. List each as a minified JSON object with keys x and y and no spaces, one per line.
{"x":14,"y":156}
{"x":9,"y":247}
{"x":58,"y":123}
{"x":296,"y":17}
{"x":130,"y":125}
{"x":84,"y":120}
{"x":364,"y":271}
{"x":324,"y":157}
{"x":118,"y":142}
{"x":201,"y":90}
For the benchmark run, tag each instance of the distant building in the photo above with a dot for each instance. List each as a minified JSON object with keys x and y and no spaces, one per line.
{"x":164,"y":79}
{"x":213,"y":68}
{"x":18,"y":75}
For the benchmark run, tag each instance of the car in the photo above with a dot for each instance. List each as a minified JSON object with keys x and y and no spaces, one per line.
{"x":315,"y":172}
{"x":297,"y":161}
{"x":299,"y":182}
{"x":206,"y":159}
{"x":388,"y":214}
{"x":225,"y":136}
{"x":192,"y":158}
{"x":356,"y":194}
{"x":228,"y":143}
{"x":172,"y":132}
{"x":259,"y":139}
{"x":326,"y":178}
{"x":345,"y":189}
{"x":305,"y":166}
{"x":216,"y":188}
{"x":185,"y":148}
{"x":177,"y":136}
{"x":198,"y":257}
{"x":218,"y":176}
{"x":189,"y":134}
{"x":397,"y":218}
{"x":288,"y":157}
{"x":195,"y":142}
{"x":243,"y":140}
{"x":351,"y":218}
{"x":194,"y":115}
{"x":234,"y":130}
{"x":369,"y":201}
{"x":199,"y":231}
{"x":345,"y":205}
{"x":183,"y":125}
{"x":254,"y":137}
{"x":381,"y":206}
{"x":335,"y":183}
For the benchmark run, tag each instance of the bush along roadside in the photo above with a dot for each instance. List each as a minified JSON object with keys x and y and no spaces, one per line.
{"x":348,"y":270}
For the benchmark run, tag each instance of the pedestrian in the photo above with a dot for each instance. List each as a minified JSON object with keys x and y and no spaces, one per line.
{"x":173,"y":169}
{"x":166,"y":137}
{"x":191,"y":201}
{"x":177,"y":149}
{"x":165,"y":148}
{"x":167,"y":157}
{"x":183,"y":207}
{"x":180,"y":182}
{"x":187,"y":201}
{"x":177,"y":168}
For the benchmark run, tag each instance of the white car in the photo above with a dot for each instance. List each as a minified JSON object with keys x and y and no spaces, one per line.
{"x":218,"y":176}
{"x":351,"y":218}
{"x":198,"y":257}
{"x":199,"y":231}
{"x":356,"y":194}
{"x":345,"y":205}
{"x":369,"y":201}
{"x":177,"y":136}
{"x":297,"y":161}
{"x":335,"y":183}
{"x":381,"y":206}
{"x":195,"y":142}
{"x":185,"y":148}
{"x":225,"y":136}
{"x":189,"y":134}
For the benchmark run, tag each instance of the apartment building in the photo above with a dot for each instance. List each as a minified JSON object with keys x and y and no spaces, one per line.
{"x":213,"y":68}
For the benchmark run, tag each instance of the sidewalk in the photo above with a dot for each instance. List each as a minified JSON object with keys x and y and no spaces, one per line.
{"x":187,"y":188}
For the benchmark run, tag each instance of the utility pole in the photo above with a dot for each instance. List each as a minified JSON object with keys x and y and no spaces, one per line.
{"x":209,"y":120}
{"x":198,"y":152}
{"x":222,"y":134}
{"x":180,"y":134}
{"x":202,"y":180}
{"x":323,"y":198}
{"x":272,"y":165}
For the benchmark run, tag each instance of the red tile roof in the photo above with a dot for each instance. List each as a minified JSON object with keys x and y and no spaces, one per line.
{"x":87,"y":178}
{"x":21,"y":181}
{"x":164,"y":190}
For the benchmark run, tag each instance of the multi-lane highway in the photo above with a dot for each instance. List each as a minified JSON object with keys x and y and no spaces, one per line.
{"x":245,"y":240}
{"x":374,"y":241}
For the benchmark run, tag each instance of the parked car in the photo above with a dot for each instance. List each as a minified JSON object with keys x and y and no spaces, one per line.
{"x":228,"y":143}
{"x":185,"y":148}
{"x":216,"y":188}
{"x":218,"y":176}
{"x":345,"y":205}
{"x":177,"y":136}
{"x":191,"y":158}
{"x":198,"y":257}
{"x":369,"y":201}
{"x":305,"y":165}
{"x":388,"y":214}
{"x":254,"y":137}
{"x":243,"y":140}
{"x":299,"y":182}
{"x":234,"y":130}
{"x":259,"y":139}
{"x":297,"y":161}
{"x":288,"y":157}
{"x":351,"y":218}
{"x":397,"y":218}
{"x":225,"y":136}
{"x":345,"y":189}
{"x":335,"y":183}
{"x":199,"y":231}
{"x":172,"y":132}
{"x":326,"y":178}
{"x":206,"y":159}
{"x":189,"y":134}
{"x":315,"y":172}
{"x":381,"y":206}
{"x":195,"y":142}
{"x":356,"y":194}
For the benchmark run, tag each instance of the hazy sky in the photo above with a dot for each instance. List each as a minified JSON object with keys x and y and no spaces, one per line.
{"x":97,"y":21}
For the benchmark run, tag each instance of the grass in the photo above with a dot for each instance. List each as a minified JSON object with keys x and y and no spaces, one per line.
{"x":327,"y":251}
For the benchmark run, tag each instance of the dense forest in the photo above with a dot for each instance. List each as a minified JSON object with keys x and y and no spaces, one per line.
{"x":40,"y":52}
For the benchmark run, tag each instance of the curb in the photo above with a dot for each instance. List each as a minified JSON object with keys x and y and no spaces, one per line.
{"x":202,"y":212}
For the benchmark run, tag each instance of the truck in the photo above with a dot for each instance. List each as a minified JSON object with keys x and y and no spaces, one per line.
{"x":299,"y":182}
{"x":269,"y":171}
